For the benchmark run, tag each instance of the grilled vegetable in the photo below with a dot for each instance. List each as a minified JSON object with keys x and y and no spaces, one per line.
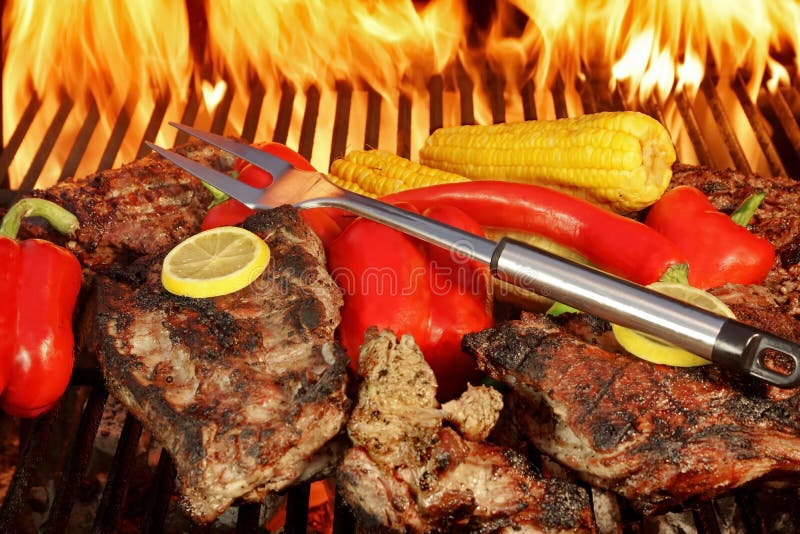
{"x":39,"y":284}
{"x":375,"y":173}
{"x":619,"y":160}
{"x":717,"y":248}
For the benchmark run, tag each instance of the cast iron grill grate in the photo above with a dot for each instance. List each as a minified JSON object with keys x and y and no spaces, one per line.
{"x":56,"y":450}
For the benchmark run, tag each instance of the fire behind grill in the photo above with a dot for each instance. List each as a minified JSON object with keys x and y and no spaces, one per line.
{"x":55,"y":451}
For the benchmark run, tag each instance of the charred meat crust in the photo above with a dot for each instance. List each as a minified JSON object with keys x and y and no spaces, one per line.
{"x":660,"y":436}
{"x":242,"y":389}
{"x":140,"y":209}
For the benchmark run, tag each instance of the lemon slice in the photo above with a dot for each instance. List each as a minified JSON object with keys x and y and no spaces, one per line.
{"x":655,"y":350}
{"x":214,"y":262}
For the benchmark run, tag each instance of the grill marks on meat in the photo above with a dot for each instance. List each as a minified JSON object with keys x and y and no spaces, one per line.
{"x":244,"y":389}
{"x":778,"y":219}
{"x":407,"y":472}
{"x":143,"y":208}
{"x":659,"y":436}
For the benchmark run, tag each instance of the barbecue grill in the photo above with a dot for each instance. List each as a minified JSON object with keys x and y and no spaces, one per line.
{"x":49,"y":488}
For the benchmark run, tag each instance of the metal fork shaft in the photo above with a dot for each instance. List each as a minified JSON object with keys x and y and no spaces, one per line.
{"x":706,"y":334}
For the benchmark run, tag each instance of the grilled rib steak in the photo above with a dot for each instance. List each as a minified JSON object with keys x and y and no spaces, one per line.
{"x":660,"y":436}
{"x":143,"y":208}
{"x":407,"y":472}
{"x":244,"y":389}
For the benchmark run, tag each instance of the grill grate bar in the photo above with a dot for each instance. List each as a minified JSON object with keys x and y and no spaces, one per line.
{"x":14,"y":142}
{"x":156,"y":119}
{"x":404,"y":126}
{"x":372,"y":128}
{"x":758,"y":124}
{"x":495,"y":88}
{"x":786,"y":118}
{"x":705,"y":518}
{"x":792,"y":97}
{"x":49,"y":141}
{"x":436,"y":102}
{"x":587,"y":97}
{"x":297,"y":509}
{"x":189,"y":114}
{"x":248,"y":517}
{"x":618,"y":100}
{"x":693,"y":129}
{"x":109,"y":512}
{"x":465,"y":94}
{"x":31,"y":454}
{"x":528,"y":93}
{"x":341,"y":120}
{"x":75,"y":467}
{"x":257,"y":93}
{"x":118,"y":132}
{"x":86,"y":376}
{"x":309,"y":126}
{"x":560,"y":98}
{"x":221,"y":112}
{"x":81,"y":141}
{"x":653,"y":108}
{"x":284,"y":113}
{"x":162,"y":487}
{"x":780,"y":139}
{"x":721,"y":117}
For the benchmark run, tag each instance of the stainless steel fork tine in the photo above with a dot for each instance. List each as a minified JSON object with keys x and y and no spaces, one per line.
{"x":221,"y":181}
{"x":274,"y":165}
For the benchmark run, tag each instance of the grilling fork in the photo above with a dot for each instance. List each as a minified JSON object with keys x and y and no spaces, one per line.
{"x":718,"y":339}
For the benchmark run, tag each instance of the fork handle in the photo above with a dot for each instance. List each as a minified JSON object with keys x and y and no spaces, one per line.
{"x":719,"y":339}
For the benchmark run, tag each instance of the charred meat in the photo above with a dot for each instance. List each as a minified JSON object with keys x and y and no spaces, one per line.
{"x":140,"y":209}
{"x":407,"y":472}
{"x":243,"y":390}
{"x":660,"y":436}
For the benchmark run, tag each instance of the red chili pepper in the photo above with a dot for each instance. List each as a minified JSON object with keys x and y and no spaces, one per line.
{"x":718,"y":250}
{"x":39,"y":286}
{"x":393,"y":281}
{"x":612,"y":242}
{"x":232,"y":212}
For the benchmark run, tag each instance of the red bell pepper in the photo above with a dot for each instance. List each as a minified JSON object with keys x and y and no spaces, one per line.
{"x":394,"y":281}
{"x":612,"y":242}
{"x":39,"y":285}
{"x":718,"y":250}
{"x":232,"y":212}
{"x":459,"y":305}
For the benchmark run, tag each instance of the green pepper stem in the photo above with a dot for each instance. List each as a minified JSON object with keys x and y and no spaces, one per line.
{"x":744,"y":213}
{"x":59,"y":218}
{"x":677,"y":273}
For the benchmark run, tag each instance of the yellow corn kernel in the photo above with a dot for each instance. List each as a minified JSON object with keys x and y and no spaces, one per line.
{"x":620,"y":160}
{"x":376,"y":173}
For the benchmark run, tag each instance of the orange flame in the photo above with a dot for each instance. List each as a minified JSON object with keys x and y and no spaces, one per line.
{"x":128,"y":60}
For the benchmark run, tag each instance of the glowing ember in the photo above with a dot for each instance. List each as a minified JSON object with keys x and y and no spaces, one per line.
{"x":127,"y":60}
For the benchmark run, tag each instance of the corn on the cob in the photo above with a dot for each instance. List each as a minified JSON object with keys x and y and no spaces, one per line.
{"x":376,"y":173}
{"x":621,"y":160}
